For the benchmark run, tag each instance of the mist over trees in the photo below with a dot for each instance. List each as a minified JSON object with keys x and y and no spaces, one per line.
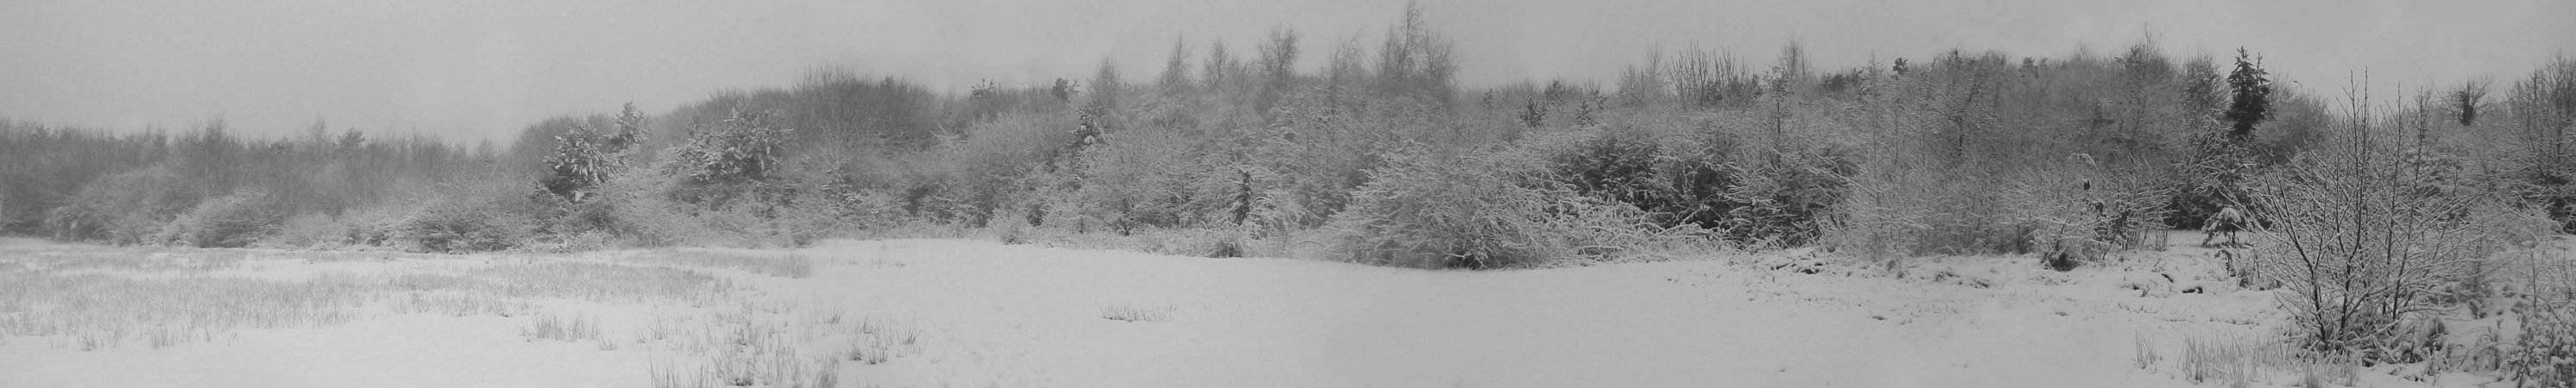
{"x":207,"y":186}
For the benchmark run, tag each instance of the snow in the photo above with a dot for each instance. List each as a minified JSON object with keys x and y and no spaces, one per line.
{"x":1003,"y":315}
{"x":388,"y":351}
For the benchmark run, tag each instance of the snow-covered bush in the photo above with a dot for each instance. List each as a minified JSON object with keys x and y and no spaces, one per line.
{"x":2366,"y":235}
{"x":1301,"y":167}
{"x":2078,"y":212}
{"x":124,"y":208}
{"x":973,"y":178}
{"x":2545,"y":105}
{"x":740,"y":158}
{"x":1617,"y":164}
{"x":1483,"y":209}
{"x":1700,"y":176}
{"x":584,"y":158}
{"x":230,"y":221}
{"x":466,"y":216}
{"x":1425,"y":210}
{"x":309,"y":230}
{"x":1136,"y":179}
{"x":1785,"y":202}
{"x":2546,"y":353}
{"x":457,"y":225}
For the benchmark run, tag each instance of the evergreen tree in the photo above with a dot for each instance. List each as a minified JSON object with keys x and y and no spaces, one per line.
{"x":2253,"y":95}
{"x":584,"y":158}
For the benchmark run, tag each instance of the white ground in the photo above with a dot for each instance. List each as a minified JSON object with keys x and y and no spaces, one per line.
{"x":1013,"y":316}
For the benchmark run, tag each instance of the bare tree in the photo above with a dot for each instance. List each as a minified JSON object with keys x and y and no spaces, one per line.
{"x":1176,"y":67}
{"x":1417,"y":60}
{"x":1219,"y":66}
{"x":2464,"y":101}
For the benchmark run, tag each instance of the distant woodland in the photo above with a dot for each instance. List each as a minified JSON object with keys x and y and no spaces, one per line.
{"x":1378,"y":156}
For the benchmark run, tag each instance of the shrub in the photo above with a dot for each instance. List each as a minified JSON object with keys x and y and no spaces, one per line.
{"x":811,"y":215}
{"x":312,"y":230}
{"x":1700,"y":170}
{"x":123,"y":208}
{"x":655,"y":221}
{"x":857,"y":201}
{"x":1691,"y":178}
{"x":1485,"y":209}
{"x":2364,"y":234}
{"x":2544,"y":355}
{"x":1886,"y":216}
{"x":2214,"y":179}
{"x":1226,"y":245}
{"x":455,"y":225}
{"x":1427,"y":210}
{"x":971,"y":180}
{"x":231,"y":221}
{"x":1302,"y":166}
{"x":2080,"y":211}
{"x":1138,"y":178}
{"x":583,"y":158}
{"x":1618,"y":164}
{"x":2544,"y":106}
{"x":361,"y":226}
{"x":1199,"y":242}
{"x":1783,"y":202}
{"x":740,"y":156}
{"x":2547,"y":346}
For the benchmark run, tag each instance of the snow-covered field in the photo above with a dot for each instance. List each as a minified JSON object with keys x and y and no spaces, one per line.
{"x":925,"y":313}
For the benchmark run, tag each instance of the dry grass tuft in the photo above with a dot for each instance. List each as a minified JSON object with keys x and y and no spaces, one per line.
{"x":1133,"y":313}
{"x":2147,"y":356}
{"x":79,"y":304}
{"x":788,"y":265}
{"x":876,"y":340}
{"x":92,"y":311}
{"x":749,"y":345}
{"x":2230,"y":359}
{"x":66,"y":257}
{"x":553,"y":328}
{"x":2246,"y":360}
{"x":88,"y":305}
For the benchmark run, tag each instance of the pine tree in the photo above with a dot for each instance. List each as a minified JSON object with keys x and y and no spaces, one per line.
{"x":2253,"y":99}
{"x":577,"y":164}
{"x":584,"y":158}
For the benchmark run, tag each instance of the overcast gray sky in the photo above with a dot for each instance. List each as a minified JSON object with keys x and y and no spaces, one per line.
{"x":485,"y":68}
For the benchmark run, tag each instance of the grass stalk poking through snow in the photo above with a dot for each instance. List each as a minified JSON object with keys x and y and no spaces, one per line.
{"x":1133,"y":313}
{"x":549,"y":327}
{"x":876,"y":341}
{"x":2233,"y":360}
{"x":782,"y":265}
{"x":92,"y":311}
{"x":749,"y":347}
{"x":2147,"y":356}
{"x":2240,"y":361}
